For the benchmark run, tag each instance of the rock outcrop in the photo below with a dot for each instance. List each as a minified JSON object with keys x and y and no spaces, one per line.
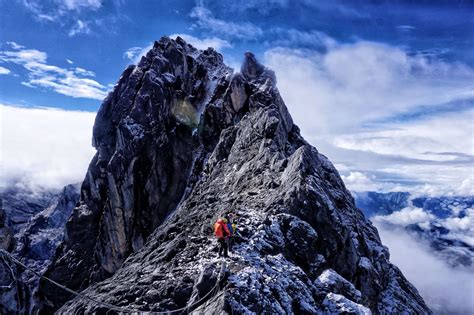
{"x":182,"y":140}
{"x":34,"y":242}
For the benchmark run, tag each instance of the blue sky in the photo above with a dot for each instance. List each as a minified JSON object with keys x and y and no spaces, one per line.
{"x":95,"y":34}
{"x":367,"y":81}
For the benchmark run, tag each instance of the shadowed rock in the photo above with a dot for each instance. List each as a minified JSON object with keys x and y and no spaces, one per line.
{"x":34,"y":242}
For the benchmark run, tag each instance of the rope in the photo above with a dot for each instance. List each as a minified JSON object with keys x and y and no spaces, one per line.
{"x":111,"y":306}
{"x":14,"y":280}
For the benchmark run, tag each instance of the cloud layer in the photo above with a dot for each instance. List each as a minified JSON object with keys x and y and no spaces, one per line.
{"x":460,"y":227}
{"x":446,"y":290}
{"x":406,"y":216}
{"x":44,"y":147}
{"x":363,"y":82}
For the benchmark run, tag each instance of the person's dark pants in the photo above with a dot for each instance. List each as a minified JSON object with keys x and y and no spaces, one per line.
{"x":230,"y":243}
{"x":223,"y":247}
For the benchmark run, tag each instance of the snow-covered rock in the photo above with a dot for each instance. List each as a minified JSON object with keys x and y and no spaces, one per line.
{"x":331,"y":282}
{"x":338,"y":304}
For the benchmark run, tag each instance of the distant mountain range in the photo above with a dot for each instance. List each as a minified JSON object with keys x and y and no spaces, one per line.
{"x":443,"y":222}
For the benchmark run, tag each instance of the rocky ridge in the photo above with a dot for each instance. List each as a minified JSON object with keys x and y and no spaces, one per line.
{"x":182,"y":140}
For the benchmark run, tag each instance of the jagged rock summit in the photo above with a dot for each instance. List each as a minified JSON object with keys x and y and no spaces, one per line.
{"x":182,"y":140}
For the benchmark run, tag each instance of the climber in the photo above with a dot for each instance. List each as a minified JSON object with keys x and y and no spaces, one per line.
{"x":221,"y":231}
{"x":232,"y":229}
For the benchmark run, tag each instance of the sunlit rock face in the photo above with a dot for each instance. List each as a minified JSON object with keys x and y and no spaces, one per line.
{"x":182,"y":140}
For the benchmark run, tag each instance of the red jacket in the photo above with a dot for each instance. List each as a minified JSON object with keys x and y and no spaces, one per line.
{"x":220,"y":229}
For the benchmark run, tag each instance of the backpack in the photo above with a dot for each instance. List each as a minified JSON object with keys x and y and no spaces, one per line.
{"x":231,"y":228}
{"x":219,"y":230}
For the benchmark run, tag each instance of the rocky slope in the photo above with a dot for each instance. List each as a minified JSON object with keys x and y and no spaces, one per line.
{"x":182,"y":140}
{"x":34,"y":242}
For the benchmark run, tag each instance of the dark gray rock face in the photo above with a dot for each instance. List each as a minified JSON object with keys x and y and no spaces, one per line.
{"x":182,"y":140}
{"x":19,"y":205}
{"x":34,"y":244}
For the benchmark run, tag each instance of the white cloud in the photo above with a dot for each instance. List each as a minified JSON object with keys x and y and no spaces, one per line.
{"x":467,"y":186}
{"x":69,"y":61}
{"x":76,"y":17}
{"x":84,"y":72}
{"x":357,"y":181}
{"x":80,"y":27}
{"x":437,"y":150}
{"x":464,"y":224}
{"x":136,"y":53}
{"x":467,"y":238}
{"x":416,"y":139}
{"x":64,"y":81}
{"x":80,"y":4}
{"x":295,"y":38}
{"x":53,"y":10}
{"x":363,"y":81}
{"x":15,"y":45}
{"x":44,"y":147}
{"x":446,"y":290}
{"x":350,"y":101}
{"x":206,"y":20}
{"x":23,"y":56}
{"x":133,"y":52}
{"x":406,"y":27}
{"x":406,"y":216}
{"x":263,"y":7}
{"x":4,"y":70}
{"x":204,"y":43}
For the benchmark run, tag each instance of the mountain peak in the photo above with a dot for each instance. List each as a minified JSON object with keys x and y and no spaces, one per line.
{"x":251,"y":68}
{"x":181,"y":141}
